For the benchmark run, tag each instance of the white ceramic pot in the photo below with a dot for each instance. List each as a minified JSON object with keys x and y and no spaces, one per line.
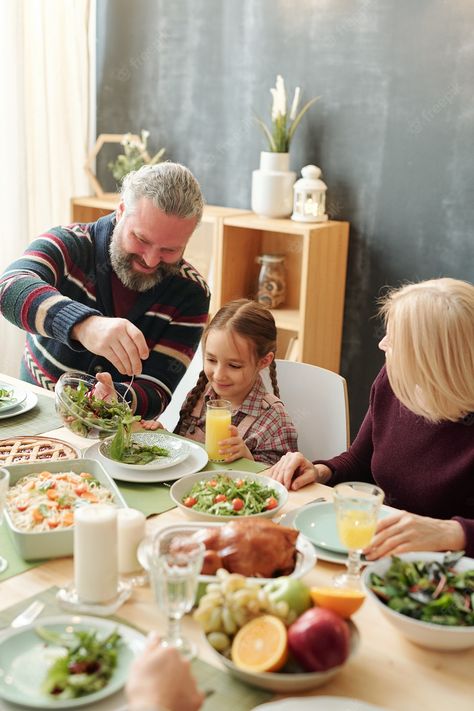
{"x":272,"y":185}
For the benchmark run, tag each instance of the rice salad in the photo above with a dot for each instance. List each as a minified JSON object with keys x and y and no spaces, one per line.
{"x":46,"y":501}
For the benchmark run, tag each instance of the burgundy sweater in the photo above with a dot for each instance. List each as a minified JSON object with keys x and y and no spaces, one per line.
{"x":424,"y":468}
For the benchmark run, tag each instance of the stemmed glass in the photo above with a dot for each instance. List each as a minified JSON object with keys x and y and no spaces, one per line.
{"x":4,"y":482}
{"x":357,"y":505}
{"x":176,"y":562}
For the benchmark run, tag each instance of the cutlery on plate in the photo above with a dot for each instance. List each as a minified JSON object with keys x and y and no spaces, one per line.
{"x":27,"y":615}
{"x":298,"y":508}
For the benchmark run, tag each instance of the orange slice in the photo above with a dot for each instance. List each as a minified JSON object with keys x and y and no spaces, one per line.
{"x":261,"y":645}
{"x":341,"y":600}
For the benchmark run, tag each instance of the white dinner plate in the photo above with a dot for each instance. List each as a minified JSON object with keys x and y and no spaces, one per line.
{"x":25,"y":659}
{"x":17,"y":395}
{"x":28,"y":404}
{"x":305,"y":553}
{"x":178,"y":450}
{"x":194,"y":462}
{"x":317,"y":522}
{"x":319,"y":703}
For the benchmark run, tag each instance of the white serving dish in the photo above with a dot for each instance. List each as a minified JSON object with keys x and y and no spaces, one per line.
{"x":426,"y":634}
{"x":288,"y":682}
{"x":57,"y":542}
{"x":305,"y":554}
{"x":183,"y":486}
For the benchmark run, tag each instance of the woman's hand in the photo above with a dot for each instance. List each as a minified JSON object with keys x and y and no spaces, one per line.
{"x":293,"y":471}
{"x":403,"y":532}
{"x":234,"y":447}
{"x":160,"y":677}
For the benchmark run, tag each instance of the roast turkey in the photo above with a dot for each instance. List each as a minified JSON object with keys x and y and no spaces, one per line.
{"x":256,"y":548}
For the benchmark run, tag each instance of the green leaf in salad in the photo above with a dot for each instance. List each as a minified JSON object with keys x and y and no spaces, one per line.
{"x":86,"y":666}
{"x":95,"y":412}
{"x":430,"y":591}
{"x":124,"y":449}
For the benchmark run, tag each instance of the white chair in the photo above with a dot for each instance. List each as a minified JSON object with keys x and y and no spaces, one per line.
{"x":316,"y":400}
{"x":169,"y":417}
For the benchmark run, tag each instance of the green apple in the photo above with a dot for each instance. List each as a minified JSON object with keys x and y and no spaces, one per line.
{"x":290,"y":590}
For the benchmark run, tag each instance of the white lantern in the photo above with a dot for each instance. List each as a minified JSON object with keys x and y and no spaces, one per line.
{"x":309,"y":200}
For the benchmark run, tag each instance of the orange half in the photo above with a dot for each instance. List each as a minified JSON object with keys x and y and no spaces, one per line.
{"x":341,"y":600}
{"x":261,"y":645}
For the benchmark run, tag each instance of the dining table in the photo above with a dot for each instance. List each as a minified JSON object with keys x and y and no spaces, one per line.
{"x":386,"y":670}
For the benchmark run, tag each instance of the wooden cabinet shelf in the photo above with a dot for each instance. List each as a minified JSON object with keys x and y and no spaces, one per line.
{"x":224,"y":249}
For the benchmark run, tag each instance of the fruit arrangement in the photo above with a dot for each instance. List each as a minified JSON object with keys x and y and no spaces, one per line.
{"x":265,"y":628}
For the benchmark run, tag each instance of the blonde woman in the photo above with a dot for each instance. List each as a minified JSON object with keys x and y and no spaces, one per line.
{"x":417,"y":438}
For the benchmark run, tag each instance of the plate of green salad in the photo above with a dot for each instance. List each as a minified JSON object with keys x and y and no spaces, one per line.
{"x":10,"y":397}
{"x":64,"y":662}
{"x":224,"y":495}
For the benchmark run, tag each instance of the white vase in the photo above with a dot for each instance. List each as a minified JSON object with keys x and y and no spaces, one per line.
{"x":272,"y":185}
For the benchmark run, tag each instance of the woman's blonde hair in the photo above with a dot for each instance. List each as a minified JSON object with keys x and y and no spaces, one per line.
{"x":430,"y":356}
{"x":250,"y":320}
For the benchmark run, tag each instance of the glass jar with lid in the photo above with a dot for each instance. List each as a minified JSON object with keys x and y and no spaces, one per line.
{"x":271,"y":290}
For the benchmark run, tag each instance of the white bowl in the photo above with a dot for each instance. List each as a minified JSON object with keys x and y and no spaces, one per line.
{"x":286,"y":682}
{"x":426,"y":634}
{"x":37,"y":545}
{"x":305,"y":554}
{"x":183,"y":486}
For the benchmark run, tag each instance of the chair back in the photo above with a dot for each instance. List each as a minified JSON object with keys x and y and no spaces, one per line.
{"x":316,"y":400}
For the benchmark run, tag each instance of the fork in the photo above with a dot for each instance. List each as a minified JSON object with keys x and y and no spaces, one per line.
{"x":27,"y":615}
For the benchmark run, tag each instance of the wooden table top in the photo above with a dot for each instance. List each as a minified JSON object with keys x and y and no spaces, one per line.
{"x":387,"y":669}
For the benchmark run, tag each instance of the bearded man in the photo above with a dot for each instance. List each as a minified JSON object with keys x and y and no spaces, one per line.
{"x":115,"y":296}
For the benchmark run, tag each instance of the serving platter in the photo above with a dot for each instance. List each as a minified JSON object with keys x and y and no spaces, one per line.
{"x":25,"y":659}
{"x":305,"y":554}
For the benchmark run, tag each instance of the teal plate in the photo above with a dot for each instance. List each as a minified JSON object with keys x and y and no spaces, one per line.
{"x":318,"y":523}
{"x":25,"y":660}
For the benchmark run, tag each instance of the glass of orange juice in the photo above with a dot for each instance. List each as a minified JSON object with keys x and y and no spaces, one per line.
{"x":357,"y":505}
{"x":218,"y":420}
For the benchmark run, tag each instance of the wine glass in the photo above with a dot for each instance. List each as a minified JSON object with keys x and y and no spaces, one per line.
{"x":357,"y":505}
{"x":4,"y":482}
{"x":176,"y":562}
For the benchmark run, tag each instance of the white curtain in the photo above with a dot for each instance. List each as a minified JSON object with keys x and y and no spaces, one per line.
{"x":46,"y":78}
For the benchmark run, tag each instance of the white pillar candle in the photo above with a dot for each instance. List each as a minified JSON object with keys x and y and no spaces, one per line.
{"x":95,"y":553}
{"x":131,"y":530}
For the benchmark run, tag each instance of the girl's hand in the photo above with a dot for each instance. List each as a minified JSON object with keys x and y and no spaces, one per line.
{"x":403,"y":532}
{"x":151,"y":425}
{"x":293,"y":471}
{"x":234,"y":447}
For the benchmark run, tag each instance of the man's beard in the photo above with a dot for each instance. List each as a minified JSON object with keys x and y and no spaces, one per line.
{"x":122,"y":264}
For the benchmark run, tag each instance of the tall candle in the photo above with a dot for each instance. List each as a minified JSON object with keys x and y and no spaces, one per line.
{"x":95,"y":553}
{"x":131,"y":530}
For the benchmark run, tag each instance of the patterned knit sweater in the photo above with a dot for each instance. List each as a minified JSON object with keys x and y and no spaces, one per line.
{"x":64,"y":277}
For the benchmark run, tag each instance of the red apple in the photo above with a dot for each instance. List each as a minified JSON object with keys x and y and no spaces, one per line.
{"x":319,"y":639}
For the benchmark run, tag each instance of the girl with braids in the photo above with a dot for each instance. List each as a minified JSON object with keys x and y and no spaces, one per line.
{"x":238,"y":343}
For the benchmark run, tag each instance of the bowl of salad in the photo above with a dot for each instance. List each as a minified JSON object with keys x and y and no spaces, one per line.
{"x":85,"y":414}
{"x":225,"y":495}
{"x":428,"y":597}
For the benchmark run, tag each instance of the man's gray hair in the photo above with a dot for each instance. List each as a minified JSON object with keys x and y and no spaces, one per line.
{"x":171,"y":187}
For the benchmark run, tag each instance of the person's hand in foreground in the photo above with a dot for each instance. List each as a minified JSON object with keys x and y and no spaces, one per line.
{"x":403,"y":532}
{"x":161,"y":679}
{"x":295,"y":471}
{"x":151,"y":425}
{"x":105,"y":390}
{"x":116,"y":339}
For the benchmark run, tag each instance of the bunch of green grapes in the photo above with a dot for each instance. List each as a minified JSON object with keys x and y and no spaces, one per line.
{"x":231,"y":602}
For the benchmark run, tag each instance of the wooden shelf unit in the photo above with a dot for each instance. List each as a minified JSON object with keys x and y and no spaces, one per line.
{"x":224,"y":249}
{"x":315,"y":263}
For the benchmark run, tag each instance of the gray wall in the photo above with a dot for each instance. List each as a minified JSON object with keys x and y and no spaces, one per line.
{"x":392,"y":132}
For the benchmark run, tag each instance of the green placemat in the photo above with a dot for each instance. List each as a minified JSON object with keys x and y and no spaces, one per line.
{"x":41,"y":418}
{"x":148,"y":498}
{"x":16,"y":564}
{"x":225,"y":691}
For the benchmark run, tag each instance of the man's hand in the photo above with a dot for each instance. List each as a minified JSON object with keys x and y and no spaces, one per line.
{"x":116,"y":339}
{"x":234,"y":446}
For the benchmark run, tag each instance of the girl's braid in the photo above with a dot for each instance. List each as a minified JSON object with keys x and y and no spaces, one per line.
{"x":191,"y":400}
{"x":273,"y":377}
